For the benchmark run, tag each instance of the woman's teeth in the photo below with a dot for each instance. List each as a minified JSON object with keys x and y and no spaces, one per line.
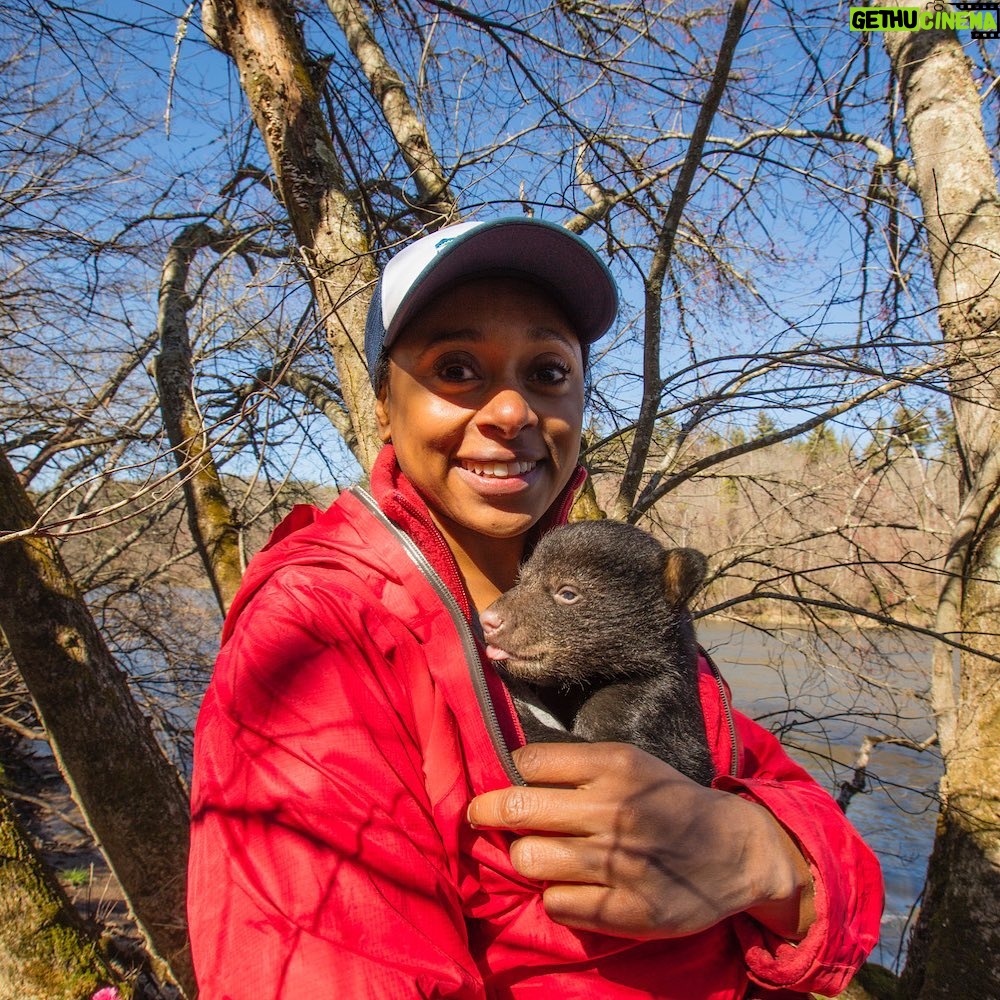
{"x":499,"y":470}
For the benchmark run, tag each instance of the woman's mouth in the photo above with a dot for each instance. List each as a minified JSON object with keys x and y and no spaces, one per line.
{"x":498,"y":470}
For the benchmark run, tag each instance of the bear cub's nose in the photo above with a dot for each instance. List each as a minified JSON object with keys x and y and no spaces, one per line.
{"x":490,"y":620}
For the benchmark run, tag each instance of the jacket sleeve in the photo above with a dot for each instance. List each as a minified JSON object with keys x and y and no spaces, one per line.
{"x":318,"y":866}
{"x":847,"y":876}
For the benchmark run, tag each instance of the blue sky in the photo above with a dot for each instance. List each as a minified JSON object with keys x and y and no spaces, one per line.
{"x":798,"y":242}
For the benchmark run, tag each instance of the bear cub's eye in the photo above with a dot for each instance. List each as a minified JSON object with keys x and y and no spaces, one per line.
{"x":567,"y":594}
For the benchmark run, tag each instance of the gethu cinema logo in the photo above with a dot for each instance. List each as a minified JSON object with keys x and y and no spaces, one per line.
{"x":980,"y":18}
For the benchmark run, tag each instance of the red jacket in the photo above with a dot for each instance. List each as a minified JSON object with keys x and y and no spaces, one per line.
{"x":349,"y":721}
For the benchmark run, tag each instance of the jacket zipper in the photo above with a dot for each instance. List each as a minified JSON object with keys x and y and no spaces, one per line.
{"x":476,"y":670}
{"x":734,"y":757}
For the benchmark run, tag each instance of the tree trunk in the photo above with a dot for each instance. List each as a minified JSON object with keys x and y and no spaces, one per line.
{"x":213,"y":526}
{"x":129,"y":793}
{"x":46,"y":952}
{"x":264,"y":40}
{"x":955,"y":951}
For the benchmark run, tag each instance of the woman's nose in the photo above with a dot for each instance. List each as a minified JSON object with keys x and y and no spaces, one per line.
{"x":508,"y":411}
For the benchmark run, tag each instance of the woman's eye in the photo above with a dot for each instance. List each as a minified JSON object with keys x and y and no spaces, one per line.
{"x":552,"y":373}
{"x":567,"y":595}
{"x":454,"y":370}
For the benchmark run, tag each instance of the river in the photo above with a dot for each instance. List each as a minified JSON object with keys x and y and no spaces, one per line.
{"x":815,"y":697}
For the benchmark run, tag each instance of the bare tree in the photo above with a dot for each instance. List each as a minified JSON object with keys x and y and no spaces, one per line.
{"x":265,"y":42}
{"x":132,"y":797}
{"x":209,"y":514}
{"x":956,"y":946}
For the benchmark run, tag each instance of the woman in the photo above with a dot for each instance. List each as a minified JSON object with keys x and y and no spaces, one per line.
{"x":366,"y":822}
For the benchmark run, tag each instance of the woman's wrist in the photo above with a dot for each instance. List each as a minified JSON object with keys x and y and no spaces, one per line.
{"x":779,"y":876}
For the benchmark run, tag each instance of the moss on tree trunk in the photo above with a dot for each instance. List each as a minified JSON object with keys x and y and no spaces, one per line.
{"x":46,"y":952}
{"x":954,"y":946}
{"x":129,"y":793}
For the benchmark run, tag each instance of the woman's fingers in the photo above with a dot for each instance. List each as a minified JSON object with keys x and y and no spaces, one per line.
{"x":603,"y":909}
{"x":574,"y":788}
{"x":597,"y":860}
{"x":576,"y":764}
{"x":553,"y":810}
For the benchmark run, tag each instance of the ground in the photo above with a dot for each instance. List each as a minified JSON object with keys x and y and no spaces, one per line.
{"x":60,"y":833}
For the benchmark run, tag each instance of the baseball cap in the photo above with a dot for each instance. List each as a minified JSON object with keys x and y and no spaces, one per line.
{"x":541,"y":251}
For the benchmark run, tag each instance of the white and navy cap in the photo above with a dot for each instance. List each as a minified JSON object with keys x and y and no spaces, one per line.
{"x":541,"y":251}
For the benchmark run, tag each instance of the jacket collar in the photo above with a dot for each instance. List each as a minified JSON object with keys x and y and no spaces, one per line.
{"x":403,"y":505}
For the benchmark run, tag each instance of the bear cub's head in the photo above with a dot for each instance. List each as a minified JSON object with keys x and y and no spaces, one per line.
{"x":596,"y":601}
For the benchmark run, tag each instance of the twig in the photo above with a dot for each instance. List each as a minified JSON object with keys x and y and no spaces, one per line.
{"x":859,"y":781}
{"x":21,"y":729}
{"x":42,"y":804}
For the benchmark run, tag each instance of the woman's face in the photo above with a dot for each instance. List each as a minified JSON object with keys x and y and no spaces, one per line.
{"x":484,"y":406}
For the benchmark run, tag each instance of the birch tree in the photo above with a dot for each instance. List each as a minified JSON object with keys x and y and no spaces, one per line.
{"x":955,"y":951}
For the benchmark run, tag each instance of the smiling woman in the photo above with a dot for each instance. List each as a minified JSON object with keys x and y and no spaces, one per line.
{"x":366,"y":819}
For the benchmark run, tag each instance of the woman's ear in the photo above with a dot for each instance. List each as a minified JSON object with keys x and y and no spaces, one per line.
{"x":382,"y":415}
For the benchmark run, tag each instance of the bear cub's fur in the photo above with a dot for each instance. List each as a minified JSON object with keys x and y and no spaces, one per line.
{"x":597,"y":633}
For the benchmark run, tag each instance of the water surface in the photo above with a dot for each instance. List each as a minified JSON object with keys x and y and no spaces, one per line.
{"x":823,"y":702}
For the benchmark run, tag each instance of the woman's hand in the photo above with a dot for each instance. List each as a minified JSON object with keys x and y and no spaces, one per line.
{"x":631,"y":846}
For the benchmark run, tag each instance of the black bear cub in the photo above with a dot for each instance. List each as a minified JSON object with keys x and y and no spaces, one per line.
{"x":596,"y":633}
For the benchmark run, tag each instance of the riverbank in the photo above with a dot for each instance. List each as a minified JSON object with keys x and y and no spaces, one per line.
{"x":46,"y":809}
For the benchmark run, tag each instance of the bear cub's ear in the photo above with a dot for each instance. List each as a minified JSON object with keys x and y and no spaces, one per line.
{"x":683,"y":573}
